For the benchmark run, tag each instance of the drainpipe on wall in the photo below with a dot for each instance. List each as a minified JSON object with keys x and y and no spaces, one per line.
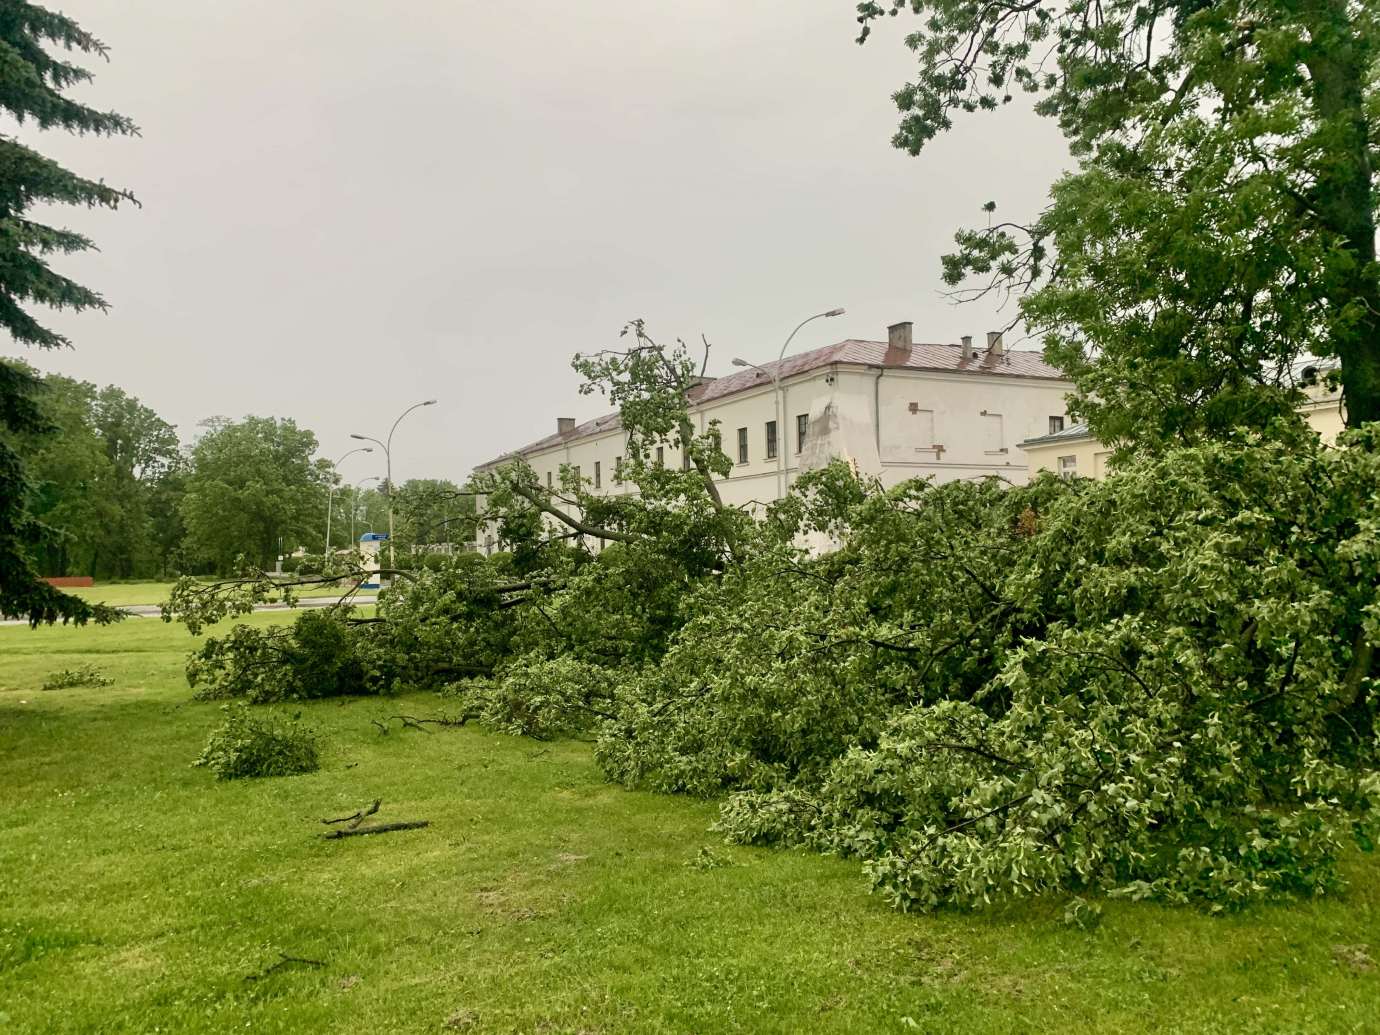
{"x":877,"y":413}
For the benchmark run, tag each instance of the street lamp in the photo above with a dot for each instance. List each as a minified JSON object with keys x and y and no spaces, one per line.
{"x":388,"y":460}
{"x":330,"y":497}
{"x":354,"y":506}
{"x":779,"y":397}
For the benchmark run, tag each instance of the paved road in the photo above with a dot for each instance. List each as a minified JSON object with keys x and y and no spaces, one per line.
{"x":153,"y":610}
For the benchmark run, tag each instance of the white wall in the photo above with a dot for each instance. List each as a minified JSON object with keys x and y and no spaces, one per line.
{"x":850,"y":409}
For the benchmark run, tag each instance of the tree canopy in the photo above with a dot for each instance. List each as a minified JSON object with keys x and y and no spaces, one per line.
{"x":1161,"y":685}
{"x":1220,"y":226}
{"x":254,"y":490}
{"x":33,"y":85}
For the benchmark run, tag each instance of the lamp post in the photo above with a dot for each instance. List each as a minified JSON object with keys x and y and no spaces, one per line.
{"x":779,"y":397}
{"x":330,"y":497}
{"x":354,"y":506}
{"x":388,"y":461}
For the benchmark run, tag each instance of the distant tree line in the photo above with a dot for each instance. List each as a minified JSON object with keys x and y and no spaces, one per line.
{"x":117,"y":496}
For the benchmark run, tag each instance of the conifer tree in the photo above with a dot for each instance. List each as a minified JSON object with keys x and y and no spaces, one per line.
{"x":34,"y":78}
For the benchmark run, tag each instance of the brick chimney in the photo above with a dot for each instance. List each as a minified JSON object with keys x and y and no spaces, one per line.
{"x":898,"y":343}
{"x":967,"y":354}
{"x":565,"y":425}
{"x":995,"y":346}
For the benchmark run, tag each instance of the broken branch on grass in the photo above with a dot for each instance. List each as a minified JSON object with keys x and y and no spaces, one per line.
{"x":283,"y":960}
{"x":377,"y":828}
{"x":420,"y":724}
{"x":355,"y":818}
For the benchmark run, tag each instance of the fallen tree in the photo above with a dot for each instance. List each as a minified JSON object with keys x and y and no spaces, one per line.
{"x":1160,"y":685}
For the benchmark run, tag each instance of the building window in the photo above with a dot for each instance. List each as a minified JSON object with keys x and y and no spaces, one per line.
{"x":992,"y":438}
{"x":742,"y":446}
{"x":488,"y":544}
{"x":577,"y":474}
{"x":548,"y":479}
{"x":924,"y":427}
{"x":617,"y":470}
{"x":1068,"y":466}
{"x":1056,"y":425}
{"x":598,"y":475}
{"x":771,"y":440}
{"x":801,"y":423}
{"x":685,"y":457}
{"x":660,"y":456}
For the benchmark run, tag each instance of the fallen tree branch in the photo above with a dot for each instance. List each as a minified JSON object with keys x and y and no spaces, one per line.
{"x":377,"y":828}
{"x":570,"y":522}
{"x":283,"y":960}
{"x":421,"y":724}
{"x":354,"y":819}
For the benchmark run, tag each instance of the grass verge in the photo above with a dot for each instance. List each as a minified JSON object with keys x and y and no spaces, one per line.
{"x":138,"y":894}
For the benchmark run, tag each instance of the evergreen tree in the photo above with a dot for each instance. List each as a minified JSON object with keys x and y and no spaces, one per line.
{"x":32,"y":86}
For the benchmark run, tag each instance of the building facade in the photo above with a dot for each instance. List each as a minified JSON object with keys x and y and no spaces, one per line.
{"x":1074,"y":450}
{"x":895,"y":409}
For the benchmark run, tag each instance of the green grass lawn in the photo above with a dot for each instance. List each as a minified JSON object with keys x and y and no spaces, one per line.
{"x":125,"y":594}
{"x":138,"y":894}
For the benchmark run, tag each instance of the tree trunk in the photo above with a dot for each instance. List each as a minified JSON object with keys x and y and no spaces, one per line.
{"x":1338,"y":63}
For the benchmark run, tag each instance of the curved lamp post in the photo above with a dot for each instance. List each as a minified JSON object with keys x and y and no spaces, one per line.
{"x":330,"y":497}
{"x":354,"y":506}
{"x":388,"y":460}
{"x":779,"y":397}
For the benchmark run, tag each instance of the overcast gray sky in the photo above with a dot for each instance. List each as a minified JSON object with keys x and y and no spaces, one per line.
{"x":350,"y":206}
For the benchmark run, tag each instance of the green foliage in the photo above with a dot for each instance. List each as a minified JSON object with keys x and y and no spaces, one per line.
{"x":32,"y":90}
{"x":429,"y":511}
{"x":1161,"y":686}
{"x":253,"y":489}
{"x":541,"y":698}
{"x":79,"y":675}
{"x":315,"y":657}
{"x":1221,"y":222}
{"x":101,"y":482}
{"x":247,"y":745}
{"x":1167,"y":691}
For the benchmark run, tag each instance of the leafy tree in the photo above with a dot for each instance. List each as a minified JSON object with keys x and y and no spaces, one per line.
{"x":32,"y":87}
{"x":142,"y":449}
{"x":371,"y":511}
{"x":70,"y":476}
{"x":253,"y":490}
{"x":1221,"y":224}
{"x":93,"y":482}
{"x":167,"y":541}
{"x":429,"y":511}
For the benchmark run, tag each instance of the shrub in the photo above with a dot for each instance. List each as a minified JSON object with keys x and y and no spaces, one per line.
{"x":317,"y":656}
{"x":247,"y":745}
{"x":81,"y":675}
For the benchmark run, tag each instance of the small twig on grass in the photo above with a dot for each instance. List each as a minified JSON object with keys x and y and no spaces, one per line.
{"x":377,"y":828}
{"x":534,"y":755}
{"x":355,"y":818}
{"x":383,"y":727}
{"x":283,"y":960}
{"x":420,"y":724}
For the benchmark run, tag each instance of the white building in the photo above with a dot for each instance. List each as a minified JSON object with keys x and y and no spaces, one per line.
{"x":895,"y":409}
{"x":1074,"y":450}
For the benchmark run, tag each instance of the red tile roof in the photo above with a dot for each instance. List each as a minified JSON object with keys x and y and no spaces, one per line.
{"x":945,"y":358}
